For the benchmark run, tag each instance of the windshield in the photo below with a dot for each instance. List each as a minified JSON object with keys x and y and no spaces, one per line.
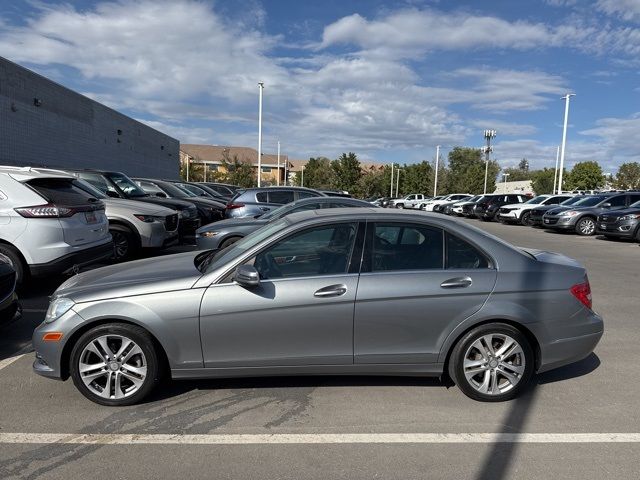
{"x":173,"y":191}
{"x":90,"y":189}
{"x":220,"y":257}
{"x":571,"y":201}
{"x":126,"y":185}
{"x":536,"y":200}
{"x":589,"y":201}
{"x":191,"y":191}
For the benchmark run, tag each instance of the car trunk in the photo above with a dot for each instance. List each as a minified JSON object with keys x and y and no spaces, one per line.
{"x":81,"y":216}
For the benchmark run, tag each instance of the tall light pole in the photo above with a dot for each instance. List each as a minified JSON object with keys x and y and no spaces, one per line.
{"x":564,"y":138}
{"x":555,"y":174}
{"x":488,"y":135}
{"x":504,"y":181}
{"x":391,"y":194}
{"x":278,"y":181}
{"x":260,"y":88}
{"x":435,"y":179}
{"x":397,"y":180}
{"x":302,"y":179}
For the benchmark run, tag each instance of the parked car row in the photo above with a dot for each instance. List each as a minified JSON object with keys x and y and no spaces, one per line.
{"x":611,"y":214}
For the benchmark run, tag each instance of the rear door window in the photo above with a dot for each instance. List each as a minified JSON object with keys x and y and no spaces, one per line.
{"x":617,"y":201}
{"x":61,"y":191}
{"x":306,"y":195}
{"x":281,"y":197}
{"x":397,"y":247}
{"x":462,"y":255}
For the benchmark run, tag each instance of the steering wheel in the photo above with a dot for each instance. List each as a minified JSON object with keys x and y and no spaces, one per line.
{"x":383,"y":241}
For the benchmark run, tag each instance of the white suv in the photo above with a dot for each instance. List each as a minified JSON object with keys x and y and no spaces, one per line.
{"x":48,"y":225}
{"x":410,"y":201}
{"x":454,"y":197}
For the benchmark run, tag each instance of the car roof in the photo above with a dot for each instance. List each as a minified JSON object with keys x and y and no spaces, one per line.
{"x":270,"y":189}
{"x":329,"y":199}
{"x":23,"y":174}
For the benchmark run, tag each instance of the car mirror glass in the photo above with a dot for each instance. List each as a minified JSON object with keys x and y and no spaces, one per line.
{"x":247,"y":276}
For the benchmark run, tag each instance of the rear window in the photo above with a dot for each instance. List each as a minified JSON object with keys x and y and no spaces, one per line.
{"x":61,"y":191}
{"x":281,"y":197}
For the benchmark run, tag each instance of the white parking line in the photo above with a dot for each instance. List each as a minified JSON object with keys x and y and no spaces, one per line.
{"x":312,"y":438}
{"x":16,"y":356}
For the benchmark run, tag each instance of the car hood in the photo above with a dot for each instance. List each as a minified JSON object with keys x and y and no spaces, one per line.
{"x":205,"y":202}
{"x":620,"y":213}
{"x":151,"y":275}
{"x":172,"y":203}
{"x":136,"y":207}
{"x":233,"y":223}
{"x":557,"y":210}
{"x":515,"y":205}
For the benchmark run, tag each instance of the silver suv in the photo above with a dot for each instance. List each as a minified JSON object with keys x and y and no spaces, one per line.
{"x":135,"y":225}
{"x":257,"y":201}
{"x":48,"y":225}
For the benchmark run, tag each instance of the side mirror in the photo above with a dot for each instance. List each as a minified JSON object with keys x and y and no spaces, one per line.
{"x":606,"y":205}
{"x":247,"y":276}
{"x":112,"y":194}
{"x":161,"y":195}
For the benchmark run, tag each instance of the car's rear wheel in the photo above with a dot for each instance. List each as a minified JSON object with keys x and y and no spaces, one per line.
{"x":229,"y":241}
{"x":22,"y":273}
{"x":586,"y":226}
{"x":525,"y":219}
{"x":492,"y":363}
{"x":115,"y":364}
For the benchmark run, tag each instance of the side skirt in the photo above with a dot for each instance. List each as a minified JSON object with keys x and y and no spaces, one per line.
{"x":418,"y":370}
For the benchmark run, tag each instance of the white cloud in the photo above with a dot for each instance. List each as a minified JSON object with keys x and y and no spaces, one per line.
{"x":628,"y":10}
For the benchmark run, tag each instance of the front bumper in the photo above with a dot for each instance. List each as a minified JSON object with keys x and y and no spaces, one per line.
{"x":508,"y":216}
{"x":626,"y":229}
{"x":73,"y":260}
{"x":187,"y":230}
{"x":559,"y":223}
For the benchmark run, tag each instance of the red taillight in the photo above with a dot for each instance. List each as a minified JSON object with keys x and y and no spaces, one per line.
{"x":231,"y":206}
{"x":45,"y":211}
{"x":582,"y":291}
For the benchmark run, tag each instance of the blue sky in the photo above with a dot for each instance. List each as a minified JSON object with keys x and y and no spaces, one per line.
{"x":388,"y":80}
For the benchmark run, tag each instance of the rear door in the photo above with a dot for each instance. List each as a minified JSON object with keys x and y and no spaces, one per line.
{"x":82,"y":217}
{"x":417,"y":283}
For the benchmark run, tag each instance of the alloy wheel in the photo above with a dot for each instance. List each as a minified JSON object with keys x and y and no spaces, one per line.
{"x":494,"y":364}
{"x":121,"y":244}
{"x":586,"y":226}
{"x":112,"y":367}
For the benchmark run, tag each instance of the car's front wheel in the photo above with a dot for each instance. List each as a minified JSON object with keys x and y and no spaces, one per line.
{"x":492,"y":362}
{"x":525,"y":219}
{"x":115,"y":364}
{"x":586,"y":226}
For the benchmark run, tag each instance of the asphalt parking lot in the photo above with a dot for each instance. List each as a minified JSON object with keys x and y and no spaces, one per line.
{"x":406,"y":427}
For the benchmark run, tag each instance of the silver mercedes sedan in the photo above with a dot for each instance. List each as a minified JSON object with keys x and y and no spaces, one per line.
{"x":332,"y":291}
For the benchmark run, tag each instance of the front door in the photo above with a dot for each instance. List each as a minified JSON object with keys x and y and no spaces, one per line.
{"x":417,"y":283}
{"x":300,"y":314}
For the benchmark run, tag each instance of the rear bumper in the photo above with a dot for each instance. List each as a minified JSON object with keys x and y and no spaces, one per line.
{"x":77,"y":259}
{"x":565,"y":351}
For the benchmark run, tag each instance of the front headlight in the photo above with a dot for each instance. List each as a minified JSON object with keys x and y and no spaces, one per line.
{"x":208,"y":234}
{"x":633,"y":216}
{"x":149,"y":218}
{"x":569,"y":213}
{"x":57,"y":308}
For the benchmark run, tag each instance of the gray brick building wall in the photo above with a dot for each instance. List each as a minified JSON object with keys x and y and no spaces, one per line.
{"x":45,"y":124}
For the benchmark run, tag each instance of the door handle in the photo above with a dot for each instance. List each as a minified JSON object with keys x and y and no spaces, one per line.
{"x":265,"y":209}
{"x":331,"y":291}
{"x":458,"y":282}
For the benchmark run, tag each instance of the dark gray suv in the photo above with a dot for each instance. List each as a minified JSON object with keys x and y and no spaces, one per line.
{"x":257,"y":201}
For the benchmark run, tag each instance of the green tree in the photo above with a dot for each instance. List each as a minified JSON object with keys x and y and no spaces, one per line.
{"x":373,"y":184}
{"x":239,"y":172}
{"x":542,"y":180}
{"x":628,"y":176}
{"x":347,"y":172}
{"x":196,"y":171}
{"x":416,"y":178}
{"x":584,"y":176}
{"x":319,"y":174}
{"x":466,"y":172}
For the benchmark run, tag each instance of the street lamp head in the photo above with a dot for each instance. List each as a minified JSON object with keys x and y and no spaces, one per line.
{"x":261,"y":84}
{"x":488,"y":134}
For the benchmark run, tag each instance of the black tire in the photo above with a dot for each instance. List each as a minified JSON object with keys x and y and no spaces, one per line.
{"x":142,"y":338}
{"x":638,"y":235}
{"x":525,"y":219}
{"x":399,"y":205}
{"x":125,"y":243}
{"x":586,"y":226}
{"x":17,"y":262}
{"x":456,"y":361}
{"x":229,"y":241}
